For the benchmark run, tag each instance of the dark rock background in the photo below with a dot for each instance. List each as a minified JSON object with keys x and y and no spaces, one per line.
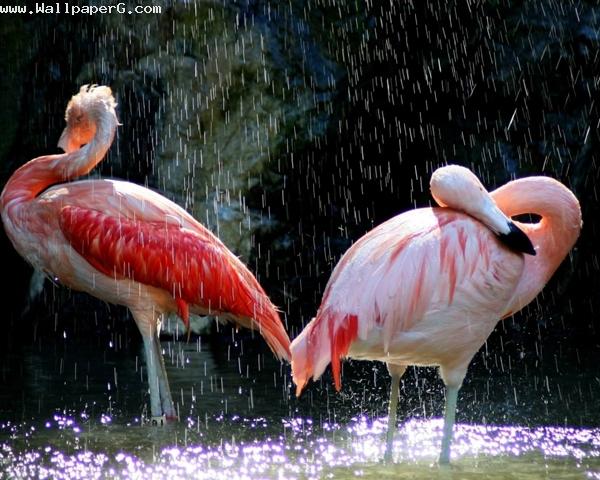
{"x":292,"y":128}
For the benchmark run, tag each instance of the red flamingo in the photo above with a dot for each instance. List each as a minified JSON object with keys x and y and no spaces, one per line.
{"x":126,"y":244}
{"x":427,"y":287}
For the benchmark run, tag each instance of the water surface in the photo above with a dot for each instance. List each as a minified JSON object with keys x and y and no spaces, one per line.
{"x":77,"y":412}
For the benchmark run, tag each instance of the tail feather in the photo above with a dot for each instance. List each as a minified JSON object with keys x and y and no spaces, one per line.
{"x":302,"y":357}
{"x":326,"y":339}
{"x":253,"y":305}
{"x":343,"y":336}
{"x":271,"y":328}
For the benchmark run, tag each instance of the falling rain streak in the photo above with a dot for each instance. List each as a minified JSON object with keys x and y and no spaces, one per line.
{"x":289,"y":129}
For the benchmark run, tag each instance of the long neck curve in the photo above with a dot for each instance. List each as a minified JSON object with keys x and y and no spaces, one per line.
{"x":40,"y":173}
{"x":552,"y":237}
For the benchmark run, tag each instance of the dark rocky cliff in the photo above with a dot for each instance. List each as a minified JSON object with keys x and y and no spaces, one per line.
{"x":291,"y":128}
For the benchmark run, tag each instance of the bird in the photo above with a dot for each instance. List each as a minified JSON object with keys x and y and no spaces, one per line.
{"x":428,"y":286}
{"x":126,"y":244}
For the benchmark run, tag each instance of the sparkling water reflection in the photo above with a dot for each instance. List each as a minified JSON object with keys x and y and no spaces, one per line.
{"x":239,"y":420}
{"x":353,"y":450}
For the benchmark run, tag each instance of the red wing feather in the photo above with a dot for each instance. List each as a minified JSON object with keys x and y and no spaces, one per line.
{"x":193,"y":266}
{"x":342,"y":334}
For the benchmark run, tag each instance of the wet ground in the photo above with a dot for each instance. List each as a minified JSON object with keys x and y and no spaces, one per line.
{"x":75,"y":411}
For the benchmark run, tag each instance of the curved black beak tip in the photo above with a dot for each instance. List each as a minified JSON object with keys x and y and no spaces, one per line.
{"x":517,"y":240}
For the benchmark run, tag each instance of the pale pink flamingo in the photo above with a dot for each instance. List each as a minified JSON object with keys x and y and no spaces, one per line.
{"x":126,"y":244}
{"x":428,"y":286}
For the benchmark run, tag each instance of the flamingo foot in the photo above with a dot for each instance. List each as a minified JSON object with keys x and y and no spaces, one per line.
{"x":158,"y":421}
{"x":162,"y":420}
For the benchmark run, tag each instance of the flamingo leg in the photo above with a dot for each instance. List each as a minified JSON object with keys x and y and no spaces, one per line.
{"x":166,"y":400}
{"x":396,"y":372}
{"x":161,"y":402}
{"x":152,"y":369}
{"x":449,"y":417}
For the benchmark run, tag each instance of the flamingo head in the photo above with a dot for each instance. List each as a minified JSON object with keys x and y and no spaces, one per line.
{"x":458,"y":188}
{"x":92,"y":105}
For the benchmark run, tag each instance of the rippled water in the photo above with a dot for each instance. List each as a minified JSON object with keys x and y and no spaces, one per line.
{"x":76,"y":413}
{"x":69,"y":449}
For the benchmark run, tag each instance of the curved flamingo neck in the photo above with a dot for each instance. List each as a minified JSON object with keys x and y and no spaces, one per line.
{"x":552,"y":237}
{"x":42,"y":172}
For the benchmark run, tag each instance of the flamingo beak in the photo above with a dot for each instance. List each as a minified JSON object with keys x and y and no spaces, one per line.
{"x":517,"y":240}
